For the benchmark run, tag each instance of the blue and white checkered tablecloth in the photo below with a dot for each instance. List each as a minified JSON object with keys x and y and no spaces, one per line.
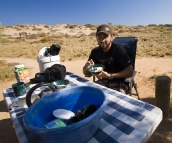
{"x":124,"y":119}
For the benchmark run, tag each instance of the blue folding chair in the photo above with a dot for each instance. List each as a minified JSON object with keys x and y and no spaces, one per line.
{"x":130,"y":45}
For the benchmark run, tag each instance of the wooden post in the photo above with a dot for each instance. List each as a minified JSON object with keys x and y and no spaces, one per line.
{"x":162,"y":94}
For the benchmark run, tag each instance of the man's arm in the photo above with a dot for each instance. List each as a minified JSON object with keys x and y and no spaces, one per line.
{"x":127,"y":72}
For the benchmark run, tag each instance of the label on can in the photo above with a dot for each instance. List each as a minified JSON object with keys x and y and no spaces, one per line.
{"x":22,"y":74}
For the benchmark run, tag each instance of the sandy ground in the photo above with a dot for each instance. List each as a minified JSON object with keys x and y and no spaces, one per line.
{"x":145,"y":67}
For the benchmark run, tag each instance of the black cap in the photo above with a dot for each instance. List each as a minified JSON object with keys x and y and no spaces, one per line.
{"x":104,"y":29}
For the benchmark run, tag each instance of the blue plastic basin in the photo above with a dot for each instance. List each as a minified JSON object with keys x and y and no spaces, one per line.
{"x":73,"y":99}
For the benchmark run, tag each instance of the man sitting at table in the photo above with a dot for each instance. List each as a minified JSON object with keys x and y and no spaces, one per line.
{"x":113,"y":56}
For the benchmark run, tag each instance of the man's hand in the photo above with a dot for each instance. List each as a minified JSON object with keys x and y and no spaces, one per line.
{"x":103,"y":74}
{"x":86,"y":66}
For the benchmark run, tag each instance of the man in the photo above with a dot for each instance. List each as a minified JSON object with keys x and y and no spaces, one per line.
{"x":113,"y":56}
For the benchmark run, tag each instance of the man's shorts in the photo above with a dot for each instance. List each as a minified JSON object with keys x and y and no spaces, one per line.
{"x":116,"y":85}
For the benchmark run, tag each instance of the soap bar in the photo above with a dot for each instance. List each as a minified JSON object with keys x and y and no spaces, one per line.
{"x":55,"y":124}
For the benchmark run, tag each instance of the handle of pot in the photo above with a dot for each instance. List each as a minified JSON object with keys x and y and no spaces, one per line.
{"x":30,"y":92}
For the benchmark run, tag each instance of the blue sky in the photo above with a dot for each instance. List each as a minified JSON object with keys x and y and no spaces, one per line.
{"x":117,"y":12}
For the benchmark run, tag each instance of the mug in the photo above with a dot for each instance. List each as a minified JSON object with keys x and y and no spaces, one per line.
{"x":88,"y":110}
{"x":19,"y":89}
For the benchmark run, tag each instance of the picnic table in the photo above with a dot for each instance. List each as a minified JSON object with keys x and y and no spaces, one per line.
{"x":124,"y":119}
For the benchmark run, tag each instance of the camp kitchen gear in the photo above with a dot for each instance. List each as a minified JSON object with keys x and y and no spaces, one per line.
{"x":63,"y":114}
{"x":59,"y":84}
{"x":57,"y":123}
{"x":19,"y":89}
{"x":37,"y":92}
{"x":34,"y":95}
{"x":96,"y":68}
{"x":88,"y":110}
{"x":73,"y":99}
{"x":46,"y":61}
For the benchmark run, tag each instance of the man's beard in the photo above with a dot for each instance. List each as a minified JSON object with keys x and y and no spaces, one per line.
{"x":104,"y":47}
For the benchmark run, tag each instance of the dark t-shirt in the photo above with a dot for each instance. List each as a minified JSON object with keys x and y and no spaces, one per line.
{"x":115,"y":60}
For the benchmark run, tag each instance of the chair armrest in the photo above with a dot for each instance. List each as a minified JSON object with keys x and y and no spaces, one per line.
{"x":129,"y":79}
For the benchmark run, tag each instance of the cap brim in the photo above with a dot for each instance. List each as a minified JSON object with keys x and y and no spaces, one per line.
{"x":107,"y":33}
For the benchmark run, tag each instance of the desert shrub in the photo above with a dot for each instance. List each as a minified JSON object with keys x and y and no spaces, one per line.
{"x":70,"y":26}
{"x":34,"y":28}
{"x":161,"y":30}
{"x":6,"y":73}
{"x":46,"y":39}
{"x":92,"y":34}
{"x":89,"y":25}
{"x":5,"y":41}
{"x":93,"y":28}
{"x":46,"y":26}
{"x":153,"y":53}
{"x":9,"y":26}
{"x":42,"y":35}
{"x":152,"y":25}
{"x":140,"y":26}
{"x":161,"y":25}
{"x":67,"y":36}
{"x":168,"y":53}
{"x":161,"y":54}
{"x":32,"y":36}
{"x":18,"y":29}
{"x":18,"y":40}
{"x":168,"y":25}
{"x":166,"y":32}
{"x":39,"y":29}
{"x":22,"y":26}
{"x":121,"y":31}
{"x":53,"y":30}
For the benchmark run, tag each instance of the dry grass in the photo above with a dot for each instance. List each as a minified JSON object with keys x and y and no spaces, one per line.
{"x":6,"y":73}
{"x":72,"y":47}
{"x":154,"y":41}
